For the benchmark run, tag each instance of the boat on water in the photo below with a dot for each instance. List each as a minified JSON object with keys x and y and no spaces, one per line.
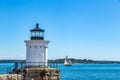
{"x":67,"y":61}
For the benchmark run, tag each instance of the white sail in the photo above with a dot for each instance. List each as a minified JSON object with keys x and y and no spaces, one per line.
{"x":70,"y":61}
{"x":67,"y":61}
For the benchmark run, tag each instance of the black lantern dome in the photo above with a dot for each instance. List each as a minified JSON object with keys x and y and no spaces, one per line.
{"x":37,"y":33}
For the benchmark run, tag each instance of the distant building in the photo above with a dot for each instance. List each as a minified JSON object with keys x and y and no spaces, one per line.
{"x":36,"y":48}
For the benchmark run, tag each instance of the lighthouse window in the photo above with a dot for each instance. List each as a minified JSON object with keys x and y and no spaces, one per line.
{"x":33,"y":34}
{"x":37,"y":34}
{"x":41,"y":34}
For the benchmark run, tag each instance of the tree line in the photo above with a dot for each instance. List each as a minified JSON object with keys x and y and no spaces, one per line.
{"x":81,"y":61}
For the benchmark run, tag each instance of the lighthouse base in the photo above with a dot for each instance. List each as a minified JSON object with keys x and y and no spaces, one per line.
{"x":41,"y":74}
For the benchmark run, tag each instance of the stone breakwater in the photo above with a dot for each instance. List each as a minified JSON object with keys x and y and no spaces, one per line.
{"x":41,"y":74}
{"x":11,"y":77}
{"x":34,"y":73}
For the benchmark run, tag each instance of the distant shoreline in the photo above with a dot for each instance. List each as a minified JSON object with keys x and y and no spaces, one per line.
{"x":85,"y":61}
{"x":74,"y":61}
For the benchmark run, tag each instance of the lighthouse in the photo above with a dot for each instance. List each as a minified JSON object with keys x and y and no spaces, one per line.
{"x":36,"y":48}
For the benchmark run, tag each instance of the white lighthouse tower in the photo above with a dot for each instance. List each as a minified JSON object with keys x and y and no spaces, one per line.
{"x":36,"y":48}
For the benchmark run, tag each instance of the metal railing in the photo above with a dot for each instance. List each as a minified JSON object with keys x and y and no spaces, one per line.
{"x":38,"y":64}
{"x":9,"y":69}
{"x":21,"y":65}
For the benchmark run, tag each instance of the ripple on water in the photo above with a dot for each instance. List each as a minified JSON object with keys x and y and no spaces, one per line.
{"x":90,"y":72}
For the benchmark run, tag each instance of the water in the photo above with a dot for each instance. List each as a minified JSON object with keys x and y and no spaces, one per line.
{"x":83,"y":71}
{"x":90,"y":72}
{"x":4,"y":67}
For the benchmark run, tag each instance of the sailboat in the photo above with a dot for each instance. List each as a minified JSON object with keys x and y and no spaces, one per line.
{"x":67,"y":61}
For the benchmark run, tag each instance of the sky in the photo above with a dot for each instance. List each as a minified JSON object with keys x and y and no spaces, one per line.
{"x":81,"y":29}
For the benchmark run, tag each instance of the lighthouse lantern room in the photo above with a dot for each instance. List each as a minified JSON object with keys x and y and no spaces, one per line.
{"x":36,"y":48}
{"x":37,"y":33}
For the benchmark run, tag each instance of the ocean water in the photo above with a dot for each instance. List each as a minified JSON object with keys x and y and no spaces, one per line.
{"x":90,"y":72}
{"x":4,"y":67}
{"x":83,"y":71}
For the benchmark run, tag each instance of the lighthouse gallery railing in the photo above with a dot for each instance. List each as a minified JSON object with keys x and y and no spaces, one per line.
{"x":21,"y":65}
